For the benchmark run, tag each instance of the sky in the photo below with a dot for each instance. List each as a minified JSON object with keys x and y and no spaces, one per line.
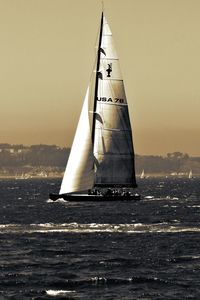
{"x":47,"y":54}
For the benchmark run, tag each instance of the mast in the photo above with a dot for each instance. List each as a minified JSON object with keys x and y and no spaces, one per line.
{"x":97,"y":79}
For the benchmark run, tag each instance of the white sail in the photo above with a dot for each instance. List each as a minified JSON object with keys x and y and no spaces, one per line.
{"x":142,"y":174}
{"x":190,"y":174}
{"x":113,"y":147}
{"x":79,"y":173}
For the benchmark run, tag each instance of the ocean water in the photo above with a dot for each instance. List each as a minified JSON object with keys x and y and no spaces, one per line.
{"x":124,"y":250}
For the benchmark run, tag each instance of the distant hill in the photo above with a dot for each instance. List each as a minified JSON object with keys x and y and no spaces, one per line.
{"x":173,"y":163}
{"x":51,"y":160}
{"x":16,"y":160}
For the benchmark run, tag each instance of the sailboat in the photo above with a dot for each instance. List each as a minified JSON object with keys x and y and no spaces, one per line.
{"x":190,"y":176}
{"x":142,"y":176}
{"x":101,"y":163}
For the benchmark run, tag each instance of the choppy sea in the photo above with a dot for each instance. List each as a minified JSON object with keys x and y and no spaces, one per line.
{"x":124,"y":250}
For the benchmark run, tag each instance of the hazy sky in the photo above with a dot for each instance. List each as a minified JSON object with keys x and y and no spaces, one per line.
{"x":47,"y":54}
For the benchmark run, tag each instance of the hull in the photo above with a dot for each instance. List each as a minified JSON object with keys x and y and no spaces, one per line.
{"x":94,"y":198}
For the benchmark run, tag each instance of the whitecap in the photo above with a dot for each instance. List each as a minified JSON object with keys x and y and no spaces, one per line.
{"x":8,"y":225}
{"x":59,"y":200}
{"x":43,"y":224}
{"x":133,"y":228}
{"x":49,"y":201}
{"x":58,"y":292}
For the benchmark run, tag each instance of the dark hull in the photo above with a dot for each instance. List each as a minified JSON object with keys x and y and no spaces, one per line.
{"x":93,"y":198}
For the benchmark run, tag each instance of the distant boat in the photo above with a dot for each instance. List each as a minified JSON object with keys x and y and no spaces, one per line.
{"x":23,"y":176}
{"x":101,"y":163}
{"x":142,"y":176}
{"x":190,"y":174}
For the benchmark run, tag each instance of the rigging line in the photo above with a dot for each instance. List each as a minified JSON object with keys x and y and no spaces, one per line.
{"x":102,"y":5}
{"x":97,"y":79}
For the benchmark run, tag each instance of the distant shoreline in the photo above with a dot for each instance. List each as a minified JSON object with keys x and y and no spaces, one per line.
{"x":30,"y":178}
{"x":159,"y":175}
{"x":49,"y":161}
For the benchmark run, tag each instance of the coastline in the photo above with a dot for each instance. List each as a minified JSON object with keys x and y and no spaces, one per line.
{"x":59,"y":176}
{"x":2,"y":177}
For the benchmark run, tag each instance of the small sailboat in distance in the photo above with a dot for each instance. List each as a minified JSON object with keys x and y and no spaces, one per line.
{"x":190,"y":176}
{"x":142,"y":176}
{"x":101,"y":164}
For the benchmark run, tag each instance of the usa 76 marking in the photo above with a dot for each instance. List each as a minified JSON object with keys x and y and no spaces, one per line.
{"x":115,"y":100}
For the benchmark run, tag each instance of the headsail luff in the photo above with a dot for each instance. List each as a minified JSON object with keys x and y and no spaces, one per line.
{"x":79,"y":173}
{"x":113,"y":146}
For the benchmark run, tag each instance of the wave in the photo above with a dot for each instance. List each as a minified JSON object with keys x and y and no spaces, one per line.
{"x":185,"y":258}
{"x":58,"y":292}
{"x":110,"y":281}
{"x":134,"y":228}
{"x":58,"y":200}
{"x":160,"y":198}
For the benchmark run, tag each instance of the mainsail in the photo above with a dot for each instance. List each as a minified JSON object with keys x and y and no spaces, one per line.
{"x":102,"y":154}
{"x":113,"y":146}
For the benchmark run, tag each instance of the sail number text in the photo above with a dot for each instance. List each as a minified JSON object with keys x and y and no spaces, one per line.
{"x":115,"y":100}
